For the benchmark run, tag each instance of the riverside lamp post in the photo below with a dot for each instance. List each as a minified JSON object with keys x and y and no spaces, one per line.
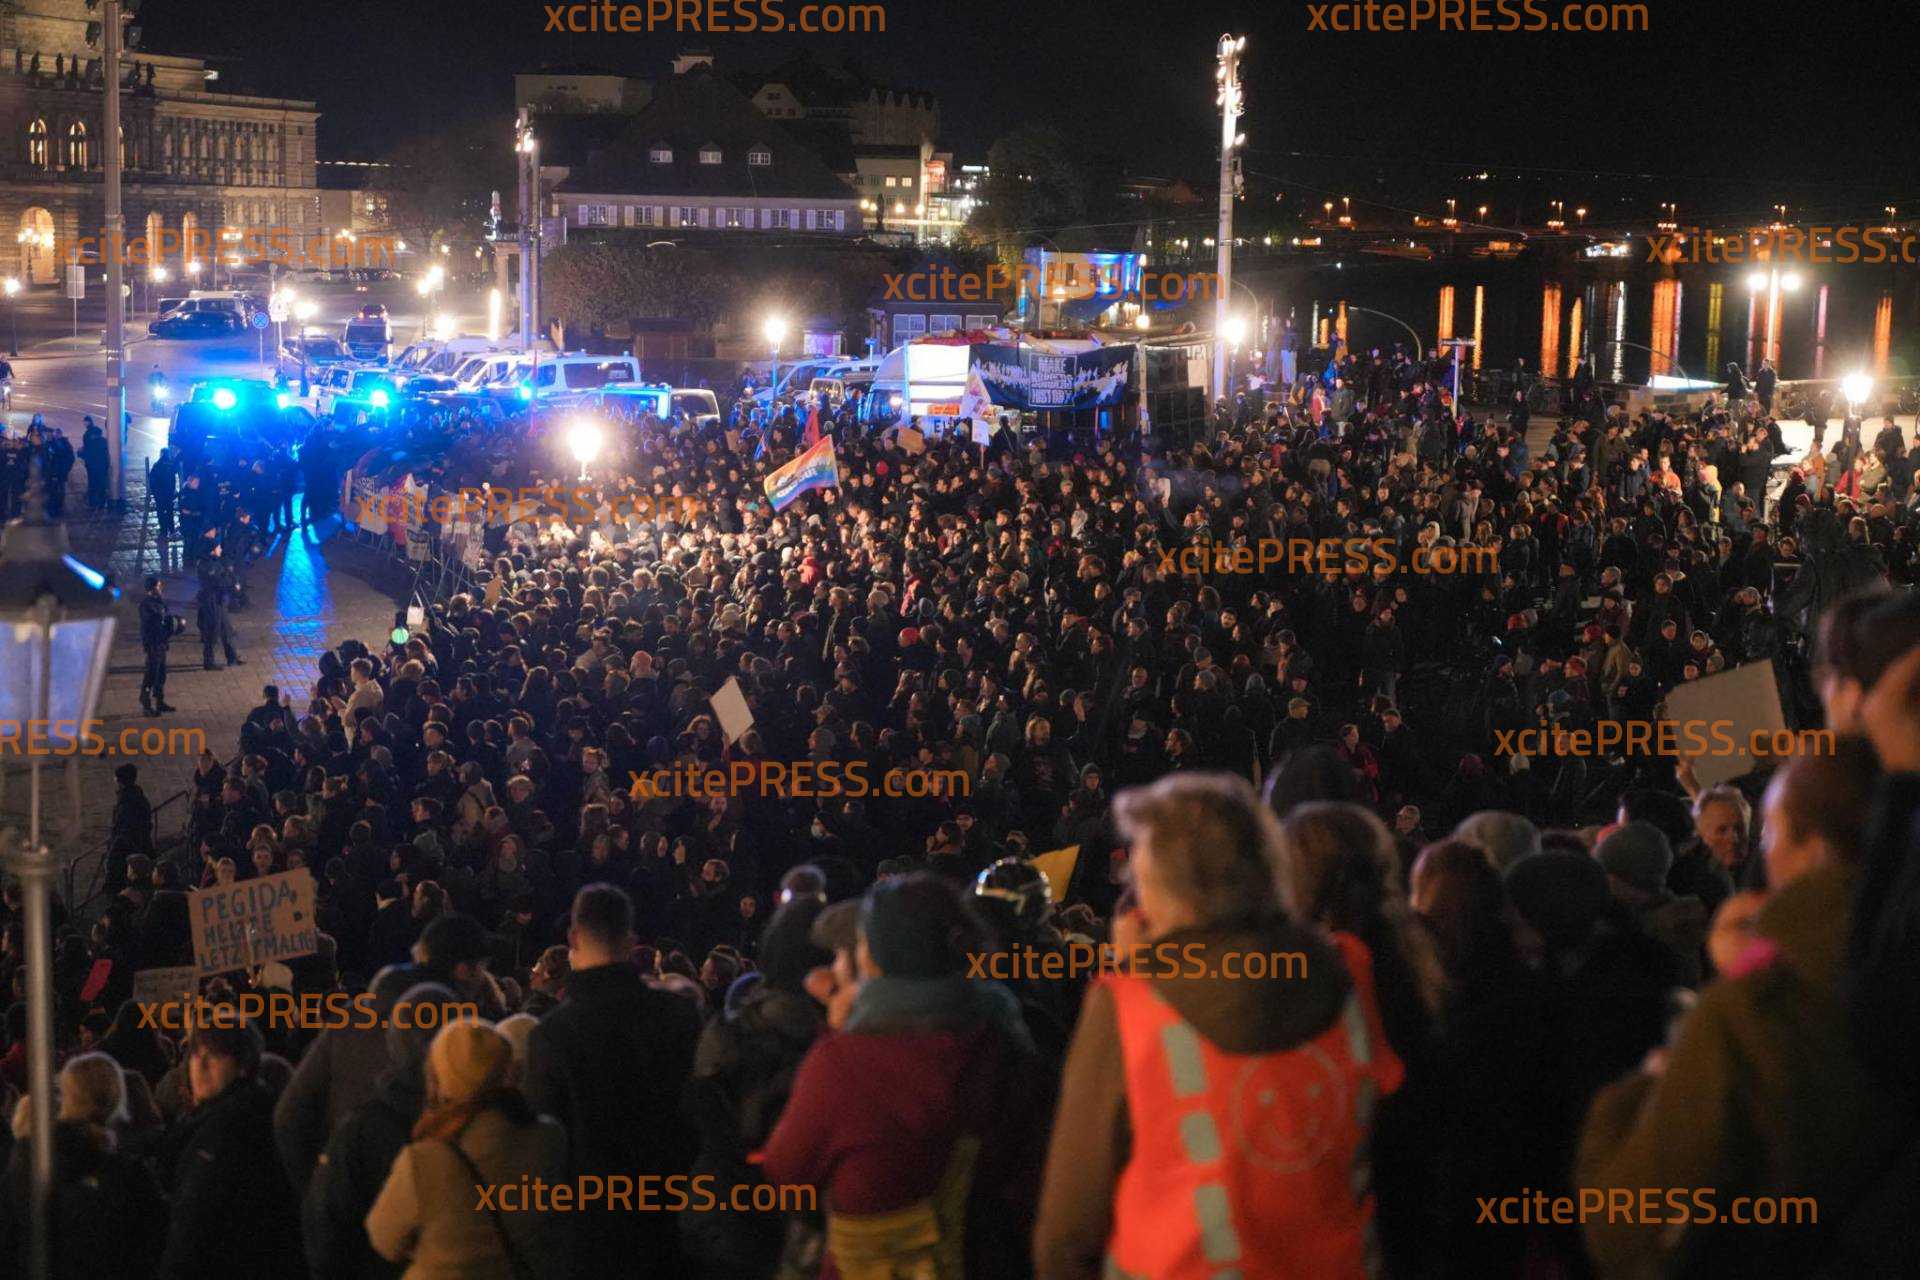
{"x":775,"y":330}
{"x":56,"y":628}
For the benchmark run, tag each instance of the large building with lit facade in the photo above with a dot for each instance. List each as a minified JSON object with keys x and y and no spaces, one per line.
{"x":195,"y":159}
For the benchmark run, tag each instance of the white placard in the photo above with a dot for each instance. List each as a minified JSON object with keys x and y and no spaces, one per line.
{"x":1730,"y":707}
{"x":730,"y":707}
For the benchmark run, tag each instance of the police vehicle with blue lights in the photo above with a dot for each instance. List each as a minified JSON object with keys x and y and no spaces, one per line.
{"x":236,"y":416}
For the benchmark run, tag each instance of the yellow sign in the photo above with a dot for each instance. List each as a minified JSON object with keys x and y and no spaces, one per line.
{"x":1058,"y":865}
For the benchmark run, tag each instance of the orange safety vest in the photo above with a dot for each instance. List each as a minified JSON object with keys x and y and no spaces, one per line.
{"x":1248,"y":1166}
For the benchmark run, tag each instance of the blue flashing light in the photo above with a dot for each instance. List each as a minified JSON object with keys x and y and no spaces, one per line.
{"x":91,"y":576}
{"x":379,"y":399}
{"x":224,"y":399}
{"x":525,"y":391}
{"x":283,"y":400}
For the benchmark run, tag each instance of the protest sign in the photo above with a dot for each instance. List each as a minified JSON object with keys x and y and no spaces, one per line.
{"x":1057,"y":865}
{"x":161,"y":986}
{"x":1742,"y":701}
{"x":237,"y":926}
{"x":730,"y":707}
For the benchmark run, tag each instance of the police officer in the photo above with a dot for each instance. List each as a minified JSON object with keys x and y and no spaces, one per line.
{"x":163,"y":484}
{"x":211,"y":610}
{"x":156,"y":633}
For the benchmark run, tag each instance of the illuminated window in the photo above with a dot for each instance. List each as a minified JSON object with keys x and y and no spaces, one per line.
{"x":77,"y":149}
{"x":709,"y":155}
{"x":661,"y":154}
{"x":759,"y":159}
{"x":37,"y":154}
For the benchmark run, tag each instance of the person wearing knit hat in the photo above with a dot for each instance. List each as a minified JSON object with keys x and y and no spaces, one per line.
{"x":1637,"y":859}
{"x":1560,"y":896}
{"x":476,"y":1137}
{"x":1638,"y":855}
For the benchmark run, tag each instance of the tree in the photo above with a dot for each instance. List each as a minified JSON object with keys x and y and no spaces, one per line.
{"x":440,"y":185}
{"x":614,"y":278}
{"x":1037,"y":184}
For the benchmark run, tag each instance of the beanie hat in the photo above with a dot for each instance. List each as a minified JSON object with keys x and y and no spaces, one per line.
{"x":1638,"y":854}
{"x":516,"y":1030}
{"x":1562,"y":895}
{"x":467,"y":1059}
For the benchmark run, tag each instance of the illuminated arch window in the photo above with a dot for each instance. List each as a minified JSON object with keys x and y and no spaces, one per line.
{"x":79,"y":153}
{"x":38,"y":153}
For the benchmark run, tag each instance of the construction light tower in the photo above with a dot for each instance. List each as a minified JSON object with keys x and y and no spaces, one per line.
{"x":1232,"y":102}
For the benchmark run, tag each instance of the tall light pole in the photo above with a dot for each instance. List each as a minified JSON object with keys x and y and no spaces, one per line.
{"x":116,"y":250}
{"x":1232,"y":103}
{"x":524,"y":154}
{"x":56,"y":628}
{"x":13,"y":316}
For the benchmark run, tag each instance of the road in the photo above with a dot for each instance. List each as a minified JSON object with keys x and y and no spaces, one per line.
{"x":65,"y":378}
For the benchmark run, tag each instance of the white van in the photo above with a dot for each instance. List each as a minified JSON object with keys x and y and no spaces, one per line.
{"x":441,"y":359}
{"x":478,"y":372}
{"x":567,"y":376}
{"x":698,"y":404}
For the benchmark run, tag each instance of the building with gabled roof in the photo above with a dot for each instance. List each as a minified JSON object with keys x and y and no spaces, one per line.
{"x":700,"y":156}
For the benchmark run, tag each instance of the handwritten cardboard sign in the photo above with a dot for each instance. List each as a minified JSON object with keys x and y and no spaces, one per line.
{"x":162,"y":986}
{"x":253,"y":922}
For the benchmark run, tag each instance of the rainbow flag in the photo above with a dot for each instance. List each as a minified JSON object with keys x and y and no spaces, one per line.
{"x":817,"y":468}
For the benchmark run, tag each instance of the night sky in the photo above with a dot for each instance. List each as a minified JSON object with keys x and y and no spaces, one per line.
{"x":1727,"y":104}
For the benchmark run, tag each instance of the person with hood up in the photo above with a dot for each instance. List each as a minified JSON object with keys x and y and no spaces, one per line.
{"x":1211,"y":1124}
{"x":337,"y":1074}
{"x":361,"y":1152}
{"x":915,"y":1117}
{"x":743,"y":1071}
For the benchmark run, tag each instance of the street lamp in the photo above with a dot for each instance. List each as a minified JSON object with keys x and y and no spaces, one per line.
{"x":585,"y":439}
{"x":426,"y":287}
{"x":1856,"y":387}
{"x":303,"y":311}
{"x":13,"y":316}
{"x":193,"y":268}
{"x":56,"y":629}
{"x":775,"y":330}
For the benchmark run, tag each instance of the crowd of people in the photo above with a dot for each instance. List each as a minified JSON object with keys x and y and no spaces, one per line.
{"x":1519,"y":977}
